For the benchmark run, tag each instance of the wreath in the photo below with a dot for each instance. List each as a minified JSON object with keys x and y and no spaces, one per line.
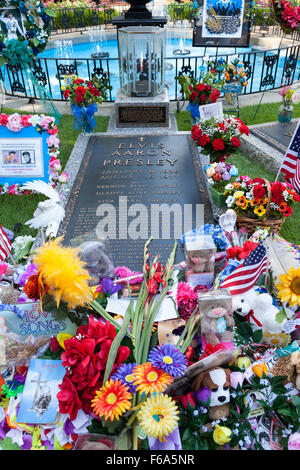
{"x":287,"y":15}
{"x":36,"y":21}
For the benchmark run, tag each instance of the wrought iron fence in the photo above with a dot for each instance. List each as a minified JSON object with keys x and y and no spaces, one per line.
{"x":265,"y":70}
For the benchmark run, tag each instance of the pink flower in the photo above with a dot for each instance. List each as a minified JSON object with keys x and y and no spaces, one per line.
{"x":294,"y":441}
{"x":186,"y":300}
{"x":3,"y":269}
{"x":64,"y":177}
{"x":53,"y":141}
{"x":46,"y":121}
{"x":25,"y":120}
{"x":54,"y":164}
{"x":14,"y":122}
{"x":236,"y":378}
{"x":282,"y":91}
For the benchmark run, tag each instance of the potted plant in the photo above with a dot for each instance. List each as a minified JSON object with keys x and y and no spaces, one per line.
{"x":219,"y":175}
{"x":219,"y":138}
{"x":84,"y":96}
{"x":286,"y":110}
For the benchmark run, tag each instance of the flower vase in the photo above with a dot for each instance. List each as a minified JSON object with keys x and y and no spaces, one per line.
{"x":285,"y":113}
{"x":84,"y":119}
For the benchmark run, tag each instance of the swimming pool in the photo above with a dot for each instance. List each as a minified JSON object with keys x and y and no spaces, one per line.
{"x":265,"y":69}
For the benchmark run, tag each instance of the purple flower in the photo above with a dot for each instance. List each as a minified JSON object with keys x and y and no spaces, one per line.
{"x":169,"y":359}
{"x":203,"y":395}
{"x":172,"y":442}
{"x":124,"y":373}
{"x":30,"y":270}
{"x":108,"y":286}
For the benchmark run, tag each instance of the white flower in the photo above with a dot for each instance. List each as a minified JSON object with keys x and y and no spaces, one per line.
{"x":241,"y":443}
{"x":196,"y":412}
{"x":34,"y":120}
{"x":204,"y":428}
{"x":286,"y":195}
{"x":233,"y":395}
{"x":229,"y":187}
{"x":235,"y":431}
{"x":230,"y":201}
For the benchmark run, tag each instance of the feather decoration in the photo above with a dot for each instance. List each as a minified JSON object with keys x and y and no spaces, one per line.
{"x":282,"y":255}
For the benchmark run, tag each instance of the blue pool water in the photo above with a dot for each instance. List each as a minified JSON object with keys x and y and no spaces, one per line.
{"x":65,"y":52}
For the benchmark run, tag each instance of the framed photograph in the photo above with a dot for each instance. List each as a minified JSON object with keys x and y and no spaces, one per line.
{"x":23,"y":156}
{"x":251,"y":401}
{"x":11,"y":23}
{"x":222,"y":23}
{"x":212,"y":110}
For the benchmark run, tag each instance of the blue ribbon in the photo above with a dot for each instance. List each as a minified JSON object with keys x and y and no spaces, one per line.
{"x":84,"y":117}
{"x":193,"y":108}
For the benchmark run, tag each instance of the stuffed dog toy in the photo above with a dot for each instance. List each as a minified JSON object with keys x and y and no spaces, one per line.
{"x":215,"y":385}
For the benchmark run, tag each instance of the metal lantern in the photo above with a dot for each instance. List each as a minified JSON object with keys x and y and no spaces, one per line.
{"x":141,"y":56}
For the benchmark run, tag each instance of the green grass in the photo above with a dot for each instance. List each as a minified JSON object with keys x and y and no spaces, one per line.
{"x":18,"y":209}
{"x":267,"y":113}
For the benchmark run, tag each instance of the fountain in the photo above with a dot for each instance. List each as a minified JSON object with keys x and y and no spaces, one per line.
{"x":181,"y":50}
{"x":97,"y":37}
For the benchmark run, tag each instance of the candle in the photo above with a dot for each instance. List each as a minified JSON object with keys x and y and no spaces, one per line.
{"x":141,"y":63}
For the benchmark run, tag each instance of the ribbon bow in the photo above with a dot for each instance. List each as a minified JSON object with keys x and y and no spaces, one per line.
{"x":251,"y":315}
{"x":84,"y":114}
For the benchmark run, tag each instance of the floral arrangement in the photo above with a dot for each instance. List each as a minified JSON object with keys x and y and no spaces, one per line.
{"x":228,"y":72}
{"x":42,"y":123}
{"x":287,"y":15}
{"x":83,"y":93}
{"x":203,"y":94}
{"x":37,"y":31}
{"x":289,"y":96}
{"x":220,"y":172}
{"x":250,"y":197}
{"x":219,"y":138}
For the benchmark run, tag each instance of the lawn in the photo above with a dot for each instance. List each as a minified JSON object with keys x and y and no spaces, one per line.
{"x":266,"y":113}
{"x":18,"y":209}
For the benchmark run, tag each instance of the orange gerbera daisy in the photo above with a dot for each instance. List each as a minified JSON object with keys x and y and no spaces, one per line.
{"x":242,"y":202}
{"x":236,"y":185}
{"x":112,"y":400}
{"x":282,"y":206}
{"x":149,"y":379}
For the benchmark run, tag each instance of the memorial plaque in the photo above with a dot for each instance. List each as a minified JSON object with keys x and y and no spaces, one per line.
{"x":278,"y":134}
{"x":143,"y":115}
{"x":125,"y":178}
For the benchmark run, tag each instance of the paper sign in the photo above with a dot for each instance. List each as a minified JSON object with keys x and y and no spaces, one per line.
{"x":166,"y":310}
{"x":290,"y":325}
{"x":212,"y":110}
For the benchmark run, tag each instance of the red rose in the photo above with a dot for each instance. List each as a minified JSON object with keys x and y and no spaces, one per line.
{"x":196,"y":132}
{"x":235,"y":142}
{"x":193,"y":95}
{"x":202,"y":98}
{"x":79,"y":99}
{"x":201,"y":87}
{"x":87,"y":396}
{"x":218,"y":144}
{"x":78,"y":81}
{"x":247,"y":248}
{"x":185,"y":400}
{"x":3,"y":119}
{"x":80,"y":90}
{"x":54,"y":344}
{"x":217,"y":176}
{"x":258,"y":180}
{"x":233,"y":251}
{"x":85,"y":374}
{"x":66,"y":93}
{"x":68,"y":399}
{"x":244,"y":129}
{"x":259,"y":191}
{"x":277,"y":189}
{"x":203,"y":140}
{"x":296,"y":197}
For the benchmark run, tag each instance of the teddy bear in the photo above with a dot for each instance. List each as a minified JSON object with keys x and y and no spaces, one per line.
{"x":216,"y":320}
{"x":288,"y":366}
{"x":97,"y":262}
{"x":214,"y":385}
{"x":201,"y":261}
{"x":258,"y":309}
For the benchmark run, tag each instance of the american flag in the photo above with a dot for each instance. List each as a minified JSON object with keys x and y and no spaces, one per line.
{"x":291,"y":162}
{"x":244,"y":277}
{"x":5,"y":245}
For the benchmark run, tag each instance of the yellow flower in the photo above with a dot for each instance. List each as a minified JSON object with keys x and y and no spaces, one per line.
{"x":259,"y":210}
{"x":62,"y":272}
{"x":260,"y":369}
{"x":221,"y":435}
{"x":289,"y":288}
{"x":238,"y":194}
{"x":61,"y":338}
{"x":158,"y":416}
{"x":278,"y":339}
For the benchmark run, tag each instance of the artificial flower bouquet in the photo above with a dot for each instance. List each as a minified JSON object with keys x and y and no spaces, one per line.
{"x":289,"y":96}
{"x":219,"y":138}
{"x":229,"y":72}
{"x":84,"y":96}
{"x":219,"y":175}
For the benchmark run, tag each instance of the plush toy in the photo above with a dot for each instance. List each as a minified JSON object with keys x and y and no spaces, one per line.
{"x":288,"y":366}
{"x":217,"y":320}
{"x":214,"y":385}
{"x":258,"y":309}
{"x":201,"y":264}
{"x":97,"y":262}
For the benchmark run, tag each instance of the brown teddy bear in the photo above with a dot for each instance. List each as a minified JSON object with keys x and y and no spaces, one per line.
{"x":288,"y":366}
{"x":217,"y":320}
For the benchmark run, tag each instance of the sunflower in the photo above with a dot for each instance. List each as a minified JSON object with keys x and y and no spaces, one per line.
{"x":62,"y":271}
{"x":158,"y":416}
{"x":289,"y":288}
{"x":149,"y":379}
{"x":112,"y":400}
{"x":259,"y":210}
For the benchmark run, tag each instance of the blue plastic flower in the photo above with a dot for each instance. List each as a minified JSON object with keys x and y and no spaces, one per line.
{"x":124,"y":373}
{"x":169,"y":359}
{"x":12,"y":308}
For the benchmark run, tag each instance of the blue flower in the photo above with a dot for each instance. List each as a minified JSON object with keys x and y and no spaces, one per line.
{"x":169,"y":359}
{"x":12,"y":308}
{"x":124,"y":373}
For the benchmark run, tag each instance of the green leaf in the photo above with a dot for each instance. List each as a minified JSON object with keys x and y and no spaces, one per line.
{"x":281,"y":316}
{"x":245,"y":330}
{"x":23,"y":253}
{"x":116,"y":342}
{"x":296,"y":401}
{"x":2,"y":61}
{"x":257,"y":336}
{"x":35,"y":42}
{"x":7,"y":444}
{"x":50,"y":12}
